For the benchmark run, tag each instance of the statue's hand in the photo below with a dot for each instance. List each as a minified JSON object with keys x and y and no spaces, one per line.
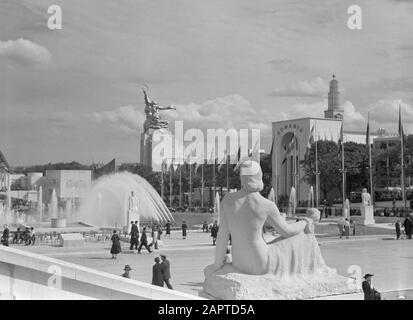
{"x":309,"y":228}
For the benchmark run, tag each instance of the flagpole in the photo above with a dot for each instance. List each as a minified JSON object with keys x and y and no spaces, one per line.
{"x":317,"y":182}
{"x":202,"y":183}
{"x":162,"y":183}
{"x":228,"y":173}
{"x":170,"y":185}
{"x":295,"y":162}
{"x":401,"y":133}
{"x":370,"y":162}
{"x":180,"y":185}
{"x":190,"y":186}
{"x":342,"y":163}
{"x":214,"y":181}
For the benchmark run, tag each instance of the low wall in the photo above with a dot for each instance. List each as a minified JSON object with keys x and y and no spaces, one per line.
{"x":25,"y":275}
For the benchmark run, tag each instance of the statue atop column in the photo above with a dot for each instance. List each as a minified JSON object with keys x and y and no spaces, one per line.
{"x":365,"y":198}
{"x":132,"y":210}
{"x":153,"y":119}
{"x":367,"y":210}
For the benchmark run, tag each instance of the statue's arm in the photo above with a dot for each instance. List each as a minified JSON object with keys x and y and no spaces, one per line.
{"x":282,"y":227}
{"x":146,"y":97}
{"x":222,"y":240}
{"x":167,"y":108}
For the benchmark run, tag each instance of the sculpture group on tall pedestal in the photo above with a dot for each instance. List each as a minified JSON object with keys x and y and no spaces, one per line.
{"x":288,"y":267}
{"x":152,"y":123}
{"x":367,"y":210}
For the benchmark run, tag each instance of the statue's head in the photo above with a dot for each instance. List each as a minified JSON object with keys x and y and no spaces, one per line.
{"x":251,"y":176}
{"x":364,"y":190}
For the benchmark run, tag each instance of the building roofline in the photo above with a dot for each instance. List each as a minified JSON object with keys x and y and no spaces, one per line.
{"x":306,"y":118}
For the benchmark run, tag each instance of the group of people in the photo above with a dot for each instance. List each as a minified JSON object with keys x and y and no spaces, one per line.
{"x":138,"y":239}
{"x":408,"y":227}
{"x":161,"y":272}
{"x":28,"y":236}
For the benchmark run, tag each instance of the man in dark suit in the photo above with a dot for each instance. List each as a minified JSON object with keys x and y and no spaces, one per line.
{"x":408,"y":226}
{"x":369,"y":292}
{"x":144,"y":241}
{"x":166,"y":271}
{"x":157,"y":276}
{"x":134,"y":236}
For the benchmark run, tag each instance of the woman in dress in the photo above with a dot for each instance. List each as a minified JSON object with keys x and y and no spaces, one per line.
{"x":115,"y":245}
{"x":184,"y":227}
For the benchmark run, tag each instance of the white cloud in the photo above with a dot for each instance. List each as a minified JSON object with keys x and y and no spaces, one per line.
{"x":316,"y":87}
{"x":354,"y":120}
{"x":24,"y":52}
{"x":125,"y":118}
{"x":233,"y":111}
{"x":385,"y":114}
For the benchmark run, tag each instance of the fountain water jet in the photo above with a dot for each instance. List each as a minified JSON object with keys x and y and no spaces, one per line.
{"x":106,"y":203}
{"x":53,"y":205}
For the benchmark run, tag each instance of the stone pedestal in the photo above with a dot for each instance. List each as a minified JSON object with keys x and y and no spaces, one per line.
{"x":71,"y":240}
{"x":146,"y":148}
{"x":149,"y":141}
{"x":58,"y":223}
{"x":367,"y":215}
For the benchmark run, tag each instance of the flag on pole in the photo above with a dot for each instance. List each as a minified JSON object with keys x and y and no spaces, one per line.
{"x":311,"y":138}
{"x":401,"y":132}
{"x":340,"y":139}
{"x":222,"y":161}
{"x":368,"y":133}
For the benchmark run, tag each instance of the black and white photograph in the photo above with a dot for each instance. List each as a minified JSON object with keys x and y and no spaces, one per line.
{"x":216,"y":152}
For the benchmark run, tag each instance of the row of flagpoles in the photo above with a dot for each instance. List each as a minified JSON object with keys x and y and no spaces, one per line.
{"x":368,"y":145}
{"x":217,"y":166}
{"x":292,"y":146}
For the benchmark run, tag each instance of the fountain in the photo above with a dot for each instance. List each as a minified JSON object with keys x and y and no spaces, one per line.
{"x":311,"y":198}
{"x":292,"y":203}
{"x":106,"y":204}
{"x":57,"y":220}
{"x":216,"y":207}
{"x":40,"y":203}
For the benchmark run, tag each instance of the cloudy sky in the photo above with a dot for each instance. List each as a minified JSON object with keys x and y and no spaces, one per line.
{"x":74,"y":94}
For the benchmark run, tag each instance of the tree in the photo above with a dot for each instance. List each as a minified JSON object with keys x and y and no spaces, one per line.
{"x":329,"y":167}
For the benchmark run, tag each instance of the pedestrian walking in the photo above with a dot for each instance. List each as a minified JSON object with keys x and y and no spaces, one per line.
{"x":115,"y":249}
{"x":134,"y":236}
{"x":346,"y":228}
{"x":159,"y":231}
{"x":144,"y":241}
{"x":408,"y":226}
{"x":6,"y":235}
{"x":127,"y":269}
{"x":157,"y":276}
{"x":184,"y":227}
{"x":168,"y":229}
{"x":397,"y":226}
{"x":214,"y":232}
{"x":166,"y":271}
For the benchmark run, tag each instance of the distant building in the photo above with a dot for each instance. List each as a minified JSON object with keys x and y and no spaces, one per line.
{"x":284,"y":132}
{"x":68,"y":184}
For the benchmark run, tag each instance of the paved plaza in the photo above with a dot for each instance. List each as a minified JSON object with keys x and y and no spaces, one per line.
{"x":391,"y":261}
